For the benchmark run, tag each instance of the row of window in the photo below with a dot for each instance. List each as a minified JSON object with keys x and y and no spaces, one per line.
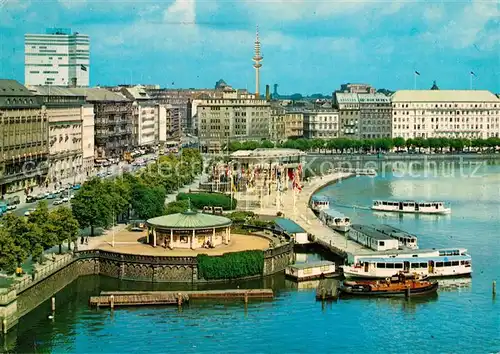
{"x":445,"y":105}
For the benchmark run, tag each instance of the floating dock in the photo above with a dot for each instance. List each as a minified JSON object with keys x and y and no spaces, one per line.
{"x":139,"y":298}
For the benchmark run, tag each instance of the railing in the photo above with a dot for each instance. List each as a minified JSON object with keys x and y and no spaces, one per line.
{"x":131,"y":258}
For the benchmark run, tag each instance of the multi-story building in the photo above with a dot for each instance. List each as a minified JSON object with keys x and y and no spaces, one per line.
{"x":285,"y":124}
{"x":277,"y":129}
{"x":294,"y":124}
{"x":113,"y":124}
{"x":466,"y":114}
{"x":65,"y":122}
{"x":59,"y":58}
{"x":356,"y":88}
{"x":88,"y":143}
{"x":234,"y":117}
{"x":321,"y":124}
{"x":23,"y":138}
{"x":349,"y":114}
{"x":374,"y":116}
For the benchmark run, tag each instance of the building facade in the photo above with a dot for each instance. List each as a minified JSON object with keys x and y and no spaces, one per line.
{"x":24,"y":144}
{"x":469,"y":114}
{"x":374,"y":116}
{"x":58,"y":57}
{"x":321,"y":124}
{"x":88,"y":144}
{"x":357,"y":88}
{"x":234,"y":117}
{"x":349,"y":114}
{"x":294,"y":124}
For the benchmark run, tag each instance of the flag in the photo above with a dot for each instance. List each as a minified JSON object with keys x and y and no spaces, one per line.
{"x":417,"y":73}
{"x":472,"y":73}
{"x":83,"y":67}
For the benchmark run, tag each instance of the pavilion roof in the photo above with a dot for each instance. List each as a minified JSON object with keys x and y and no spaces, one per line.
{"x":189,"y":220}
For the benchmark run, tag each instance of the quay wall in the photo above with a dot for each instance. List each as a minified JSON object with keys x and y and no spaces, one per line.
{"x":25,"y":297}
{"x":404,"y":157}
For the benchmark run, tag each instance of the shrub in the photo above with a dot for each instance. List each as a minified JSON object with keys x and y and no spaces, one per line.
{"x":199,"y":200}
{"x":178,"y":206}
{"x":231,"y":265}
{"x":239,"y":217}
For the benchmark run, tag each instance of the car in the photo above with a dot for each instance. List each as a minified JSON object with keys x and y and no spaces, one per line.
{"x":76,"y":187}
{"x":58,"y":202}
{"x":28,"y":212}
{"x":71,"y":196}
{"x":11,"y":207}
{"x":51,"y":196}
{"x":65,"y":200}
{"x":30,"y":199}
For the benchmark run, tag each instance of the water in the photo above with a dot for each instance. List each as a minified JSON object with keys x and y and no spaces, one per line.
{"x":459,"y":319}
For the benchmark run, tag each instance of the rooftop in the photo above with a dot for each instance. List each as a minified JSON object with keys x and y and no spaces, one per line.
{"x":311,"y":265}
{"x":189,"y":220}
{"x":444,"y":96}
{"x":393,"y":231}
{"x":15,"y":95}
{"x":289,"y":226}
{"x":371,"y":232}
{"x":54,"y":91}
{"x":100,"y":94}
{"x":333,"y":213}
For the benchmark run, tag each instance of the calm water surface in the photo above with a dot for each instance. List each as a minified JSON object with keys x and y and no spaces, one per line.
{"x":460,"y":319}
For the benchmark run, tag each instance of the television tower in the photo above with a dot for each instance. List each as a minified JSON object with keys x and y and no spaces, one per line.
{"x":257,"y":58}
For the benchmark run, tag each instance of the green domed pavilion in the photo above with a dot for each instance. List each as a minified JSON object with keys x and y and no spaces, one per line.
{"x":189,"y":229}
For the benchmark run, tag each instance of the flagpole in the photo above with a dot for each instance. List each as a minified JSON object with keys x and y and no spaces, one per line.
{"x":414,"y":80}
{"x":470,"y":81}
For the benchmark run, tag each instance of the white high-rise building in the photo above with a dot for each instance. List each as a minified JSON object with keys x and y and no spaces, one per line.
{"x":59,"y":58}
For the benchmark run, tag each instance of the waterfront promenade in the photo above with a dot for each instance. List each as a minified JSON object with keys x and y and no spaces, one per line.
{"x":295,"y":206}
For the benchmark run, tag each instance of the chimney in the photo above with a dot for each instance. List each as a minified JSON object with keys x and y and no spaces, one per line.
{"x":268,"y":94}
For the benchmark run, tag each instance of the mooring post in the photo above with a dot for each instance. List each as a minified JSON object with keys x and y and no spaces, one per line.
{"x":179,"y":299}
{"x":323,"y":294}
{"x":494,"y":288}
{"x":4,"y":326}
{"x":53,"y":304}
{"x":112,"y":301}
{"x":407,"y":292}
{"x":246,"y":297}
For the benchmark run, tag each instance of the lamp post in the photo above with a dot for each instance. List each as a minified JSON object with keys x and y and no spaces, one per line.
{"x":113,"y":230}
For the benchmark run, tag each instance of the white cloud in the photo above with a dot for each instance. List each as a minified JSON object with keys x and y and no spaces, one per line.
{"x":183,"y":11}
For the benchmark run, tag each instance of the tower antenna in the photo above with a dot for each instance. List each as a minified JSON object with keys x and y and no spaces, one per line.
{"x":257,"y":58}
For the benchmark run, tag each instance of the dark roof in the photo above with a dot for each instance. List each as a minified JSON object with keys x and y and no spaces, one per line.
{"x":371,"y":232}
{"x":15,"y":95}
{"x":289,"y":226}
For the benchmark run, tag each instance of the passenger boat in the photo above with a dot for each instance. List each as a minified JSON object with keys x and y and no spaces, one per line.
{"x":431,"y":263}
{"x":398,"y":285}
{"x":405,"y":239}
{"x":309,"y":271}
{"x":319,"y":203}
{"x":410,"y":206}
{"x":335,"y":220}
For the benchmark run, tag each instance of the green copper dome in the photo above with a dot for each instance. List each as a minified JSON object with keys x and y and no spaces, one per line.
{"x":189,"y":220}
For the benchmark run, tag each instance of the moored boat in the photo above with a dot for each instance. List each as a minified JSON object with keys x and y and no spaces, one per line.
{"x":335,"y":220}
{"x":411,"y":206}
{"x":398,"y":285}
{"x":319,"y":203}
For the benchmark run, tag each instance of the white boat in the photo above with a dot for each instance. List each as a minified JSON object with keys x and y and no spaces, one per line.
{"x":431,"y":263}
{"x":405,"y":239}
{"x":308,"y":271}
{"x":334,"y":219}
{"x":370,"y":237}
{"x":319,"y":203}
{"x":411,"y":206}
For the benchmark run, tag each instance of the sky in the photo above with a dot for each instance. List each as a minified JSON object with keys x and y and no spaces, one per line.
{"x":309,"y":46}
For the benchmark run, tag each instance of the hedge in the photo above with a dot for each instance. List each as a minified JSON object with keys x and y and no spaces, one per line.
{"x":231,"y":265}
{"x":199,"y":200}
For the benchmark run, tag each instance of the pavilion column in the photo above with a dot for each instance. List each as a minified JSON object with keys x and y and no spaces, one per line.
{"x":228,"y":234}
{"x":154,"y":238}
{"x":213,"y":237}
{"x":148,"y":235}
{"x":171,"y":244}
{"x":192,"y":240}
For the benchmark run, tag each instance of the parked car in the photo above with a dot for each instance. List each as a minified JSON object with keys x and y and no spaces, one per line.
{"x":76,"y":187}
{"x":58,"y":202}
{"x":51,"y":196}
{"x":28,"y":212}
{"x":11,"y":207}
{"x":65,"y":200}
{"x":30,"y":199}
{"x":40,"y":196}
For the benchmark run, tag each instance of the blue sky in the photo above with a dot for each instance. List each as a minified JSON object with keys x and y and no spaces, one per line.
{"x":309,"y":46}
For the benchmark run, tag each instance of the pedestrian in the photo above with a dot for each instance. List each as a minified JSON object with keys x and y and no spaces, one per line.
{"x":87,"y":240}
{"x":82,"y":240}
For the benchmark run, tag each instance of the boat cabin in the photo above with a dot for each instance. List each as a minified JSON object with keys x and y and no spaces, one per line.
{"x":293,"y":229}
{"x":405,"y":239}
{"x":410,"y":206}
{"x":319,"y":203}
{"x":369,"y":237}
{"x":335,"y":220}
{"x":308,"y":271}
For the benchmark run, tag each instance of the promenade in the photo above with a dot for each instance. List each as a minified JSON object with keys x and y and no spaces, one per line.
{"x":295,"y":206}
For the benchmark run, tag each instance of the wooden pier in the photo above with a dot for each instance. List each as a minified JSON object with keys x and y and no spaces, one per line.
{"x":328,"y":289}
{"x":140,"y":298}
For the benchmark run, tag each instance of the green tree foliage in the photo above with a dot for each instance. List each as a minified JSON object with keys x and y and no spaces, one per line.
{"x":92,"y":205}
{"x":200,"y":200}
{"x":231,"y":265}
{"x":178,"y":206}
{"x":64,"y":226}
{"x":148,"y":202}
{"x":11,"y":254}
{"x":240,"y":217}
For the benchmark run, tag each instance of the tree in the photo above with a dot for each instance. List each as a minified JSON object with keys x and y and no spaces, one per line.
{"x":148,"y":202}
{"x":91,"y":205}
{"x":64,"y":225}
{"x":178,"y":206}
{"x":39,"y":228}
{"x":398,"y":142}
{"x":11,"y":254}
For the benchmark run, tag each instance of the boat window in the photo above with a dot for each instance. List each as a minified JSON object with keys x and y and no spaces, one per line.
{"x":381,"y":243}
{"x":398,"y":266}
{"x":441,"y":253}
{"x":447,"y":264}
{"x":380,"y":265}
{"x":454,"y":263}
{"x":389,"y":265}
{"x":423,"y":265}
{"x":456,"y":252}
{"x":439,"y":264}
{"x":384,"y":203}
{"x":462,"y":262}
{"x":415,"y":265}
{"x":405,"y":204}
{"x":415,"y":255}
{"x":449,"y":253}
